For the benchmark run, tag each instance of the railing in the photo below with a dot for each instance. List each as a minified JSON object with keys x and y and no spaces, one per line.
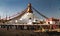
{"x":43,"y":27}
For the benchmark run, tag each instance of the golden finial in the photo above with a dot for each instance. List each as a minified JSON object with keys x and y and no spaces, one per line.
{"x":29,"y":10}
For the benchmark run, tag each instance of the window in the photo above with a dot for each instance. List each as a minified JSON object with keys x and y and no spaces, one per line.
{"x":36,"y":20}
{"x":29,"y":18}
{"x":48,"y":22}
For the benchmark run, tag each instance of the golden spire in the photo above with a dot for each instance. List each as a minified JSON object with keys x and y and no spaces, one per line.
{"x":29,"y":10}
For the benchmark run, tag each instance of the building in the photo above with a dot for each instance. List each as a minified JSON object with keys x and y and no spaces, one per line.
{"x":52,"y":21}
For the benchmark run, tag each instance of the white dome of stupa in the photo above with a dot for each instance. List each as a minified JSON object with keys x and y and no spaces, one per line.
{"x":28,"y":17}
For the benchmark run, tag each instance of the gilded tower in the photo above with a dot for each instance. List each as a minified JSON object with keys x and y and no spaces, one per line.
{"x":29,"y":10}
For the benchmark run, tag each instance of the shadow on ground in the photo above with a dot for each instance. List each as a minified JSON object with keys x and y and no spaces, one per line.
{"x":4,"y":32}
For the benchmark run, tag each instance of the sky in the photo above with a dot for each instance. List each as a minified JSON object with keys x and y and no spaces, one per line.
{"x":50,"y":8}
